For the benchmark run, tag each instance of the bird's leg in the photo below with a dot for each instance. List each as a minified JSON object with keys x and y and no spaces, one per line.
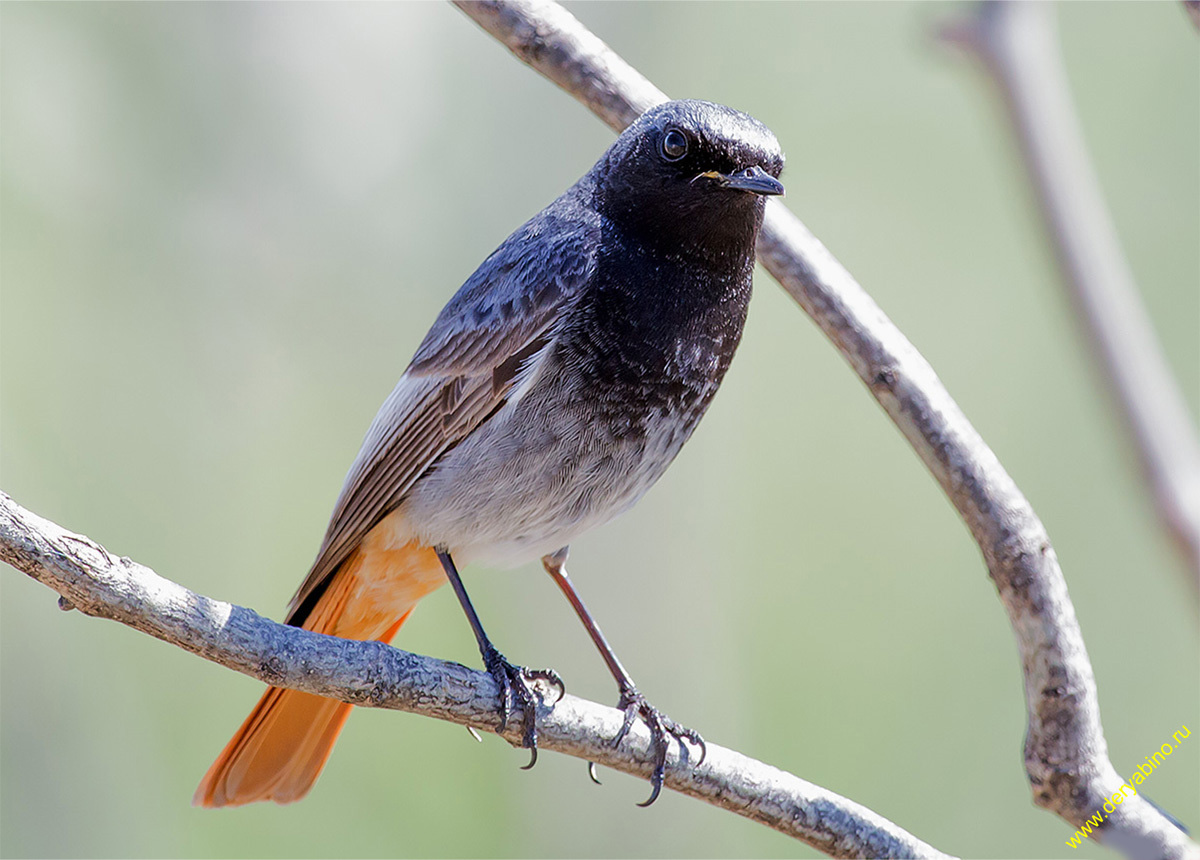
{"x":632,"y":702}
{"x":515,"y":682}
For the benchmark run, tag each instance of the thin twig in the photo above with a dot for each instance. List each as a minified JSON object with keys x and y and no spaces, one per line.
{"x":1066,"y":756}
{"x":1192,"y":7}
{"x":372,"y":674}
{"x":1018,"y":44}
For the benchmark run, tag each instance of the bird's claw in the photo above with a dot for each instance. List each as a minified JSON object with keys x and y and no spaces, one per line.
{"x":517,"y":686}
{"x":634,"y":704}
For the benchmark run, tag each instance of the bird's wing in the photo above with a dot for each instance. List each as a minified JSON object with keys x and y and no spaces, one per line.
{"x":496,"y":326}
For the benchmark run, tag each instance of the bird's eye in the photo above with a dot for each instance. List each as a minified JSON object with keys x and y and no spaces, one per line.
{"x":674,"y":145}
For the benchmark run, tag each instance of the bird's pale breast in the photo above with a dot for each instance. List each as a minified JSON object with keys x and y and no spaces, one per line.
{"x":587,"y":438}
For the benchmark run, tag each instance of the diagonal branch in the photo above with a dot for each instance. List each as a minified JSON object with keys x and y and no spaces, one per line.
{"x":1192,"y":7}
{"x":1066,"y":756}
{"x":372,"y":674}
{"x":1017,"y":43}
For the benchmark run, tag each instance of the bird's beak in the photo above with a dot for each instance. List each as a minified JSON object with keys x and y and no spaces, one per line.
{"x":753,"y":179}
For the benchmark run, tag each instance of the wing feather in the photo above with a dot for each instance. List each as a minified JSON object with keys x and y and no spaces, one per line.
{"x":484,"y":343}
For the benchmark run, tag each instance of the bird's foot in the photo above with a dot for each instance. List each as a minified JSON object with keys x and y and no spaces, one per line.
{"x":518,"y":685}
{"x":634,"y":705}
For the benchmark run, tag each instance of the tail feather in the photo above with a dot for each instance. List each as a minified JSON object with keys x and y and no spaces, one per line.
{"x":278,"y":752}
{"x":282,"y":746}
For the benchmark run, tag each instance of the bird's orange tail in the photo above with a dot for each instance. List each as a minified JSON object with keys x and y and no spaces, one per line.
{"x":280,"y":749}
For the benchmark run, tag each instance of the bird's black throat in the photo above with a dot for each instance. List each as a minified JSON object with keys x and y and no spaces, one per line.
{"x":658,"y":330}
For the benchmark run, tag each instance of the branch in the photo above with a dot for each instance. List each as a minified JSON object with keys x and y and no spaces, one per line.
{"x":1066,"y":756}
{"x":371,"y":674}
{"x":1017,"y":43}
{"x":1192,"y":7}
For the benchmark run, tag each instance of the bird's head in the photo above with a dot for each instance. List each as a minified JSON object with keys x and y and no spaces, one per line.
{"x":690,"y":175}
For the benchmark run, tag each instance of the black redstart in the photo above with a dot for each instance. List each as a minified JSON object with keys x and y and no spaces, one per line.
{"x":551,"y":392}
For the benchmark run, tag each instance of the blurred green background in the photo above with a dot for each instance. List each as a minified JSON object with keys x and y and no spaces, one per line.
{"x":227,"y":226}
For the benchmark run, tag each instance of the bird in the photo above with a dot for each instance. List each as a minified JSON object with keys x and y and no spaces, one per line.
{"x":551,"y":392}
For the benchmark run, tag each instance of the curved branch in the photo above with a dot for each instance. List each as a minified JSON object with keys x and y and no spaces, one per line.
{"x":372,"y":674}
{"x":1066,"y":756}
